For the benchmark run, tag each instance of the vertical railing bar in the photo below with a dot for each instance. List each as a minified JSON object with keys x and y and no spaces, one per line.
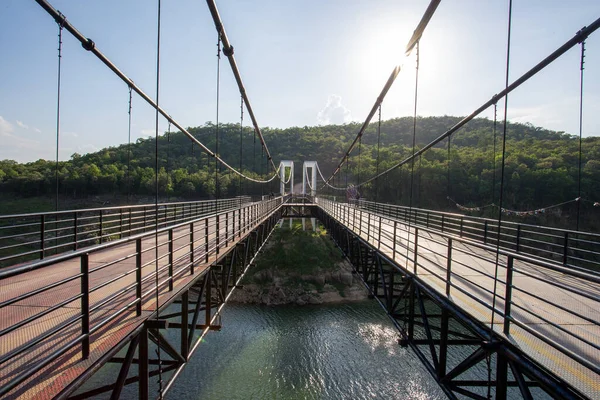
{"x":85,"y":306}
{"x":508,"y":294}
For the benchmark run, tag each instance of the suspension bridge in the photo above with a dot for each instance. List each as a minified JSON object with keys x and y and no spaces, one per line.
{"x":493,"y":308}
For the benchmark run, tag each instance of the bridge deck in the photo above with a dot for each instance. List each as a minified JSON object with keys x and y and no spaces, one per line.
{"x":64,"y":305}
{"x":562,"y":308}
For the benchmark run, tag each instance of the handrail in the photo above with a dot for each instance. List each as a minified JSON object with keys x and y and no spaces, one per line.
{"x":8,"y":272}
{"x":573,"y":248}
{"x":370,"y":226}
{"x":132,"y":206}
{"x":24,"y":237}
{"x":218,"y":232}
{"x":451,"y":214}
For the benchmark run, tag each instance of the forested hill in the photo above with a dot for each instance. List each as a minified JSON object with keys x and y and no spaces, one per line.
{"x":541,"y":165}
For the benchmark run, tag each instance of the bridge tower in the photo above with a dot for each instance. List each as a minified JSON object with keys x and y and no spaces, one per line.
{"x":312,"y":165}
{"x":285,"y":164}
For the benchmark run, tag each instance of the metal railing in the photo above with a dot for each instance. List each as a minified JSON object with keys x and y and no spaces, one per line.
{"x":125,"y":281}
{"x":27,"y":237}
{"x":574,"y":249}
{"x":464,"y":267}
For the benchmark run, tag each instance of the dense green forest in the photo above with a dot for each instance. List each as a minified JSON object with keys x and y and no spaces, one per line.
{"x":541,"y":166}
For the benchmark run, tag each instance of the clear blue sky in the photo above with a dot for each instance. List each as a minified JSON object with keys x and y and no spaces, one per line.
{"x":303,"y":62}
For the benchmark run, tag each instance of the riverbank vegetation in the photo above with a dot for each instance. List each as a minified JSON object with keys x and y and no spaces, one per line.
{"x":286,"y":273}
{"x":541,"y":167}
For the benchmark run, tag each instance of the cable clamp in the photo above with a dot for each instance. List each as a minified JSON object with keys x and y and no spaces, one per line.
{"x":228,"y":51}
{"x":89,"y":44}
{"x":581,"y":33}
{"x":60,"y":19}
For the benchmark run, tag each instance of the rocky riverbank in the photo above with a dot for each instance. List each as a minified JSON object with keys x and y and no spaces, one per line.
{"x":300,"y":265}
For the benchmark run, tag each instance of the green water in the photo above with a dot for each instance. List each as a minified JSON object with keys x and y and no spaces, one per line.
{"x":341,"y":351}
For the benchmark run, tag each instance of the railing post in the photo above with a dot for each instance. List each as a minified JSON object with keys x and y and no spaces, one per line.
{"x":101,"y":229}
{"x":360,"y":224}
{"x":120,"y":223}
{"x":518,"y":237}
{"x":485,"y":232}
{"x":170,"y":259}
{"x":85,"y":305}
{"x":379,"y":235}
{"x":217,"y":233}
{"x":416,"y":250}
{"x":368,"y":227}
{"x":144,"y":365}
{"x":462,"y":221}
{"x":566,"y":249}
{"x":42,"y":235}
{"x":226,"y":228}
{"x":508,"y":294}
{"x":138,"y":276}
{"x":233,"y":225}
{"x":394,"y":241}
{"x":449,"y":267}
{"x":192,"y":248}
{"x":208,"y":297}
{"x":75,"y":231}
{"x":206,"y":239}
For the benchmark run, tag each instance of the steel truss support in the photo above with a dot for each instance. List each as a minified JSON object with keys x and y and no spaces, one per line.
{"x":182,"y":323}
{"x":456,"y":348}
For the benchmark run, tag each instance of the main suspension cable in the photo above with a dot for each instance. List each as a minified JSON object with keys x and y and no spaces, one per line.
{"x":576,"y":39}
{"x":417,"y":34}
{"x":89,"y":45}
{"x":228,"y":51}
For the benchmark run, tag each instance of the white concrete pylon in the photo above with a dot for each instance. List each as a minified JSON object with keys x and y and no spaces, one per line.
{"x":313,"y":177}
{"x":282,"y":174}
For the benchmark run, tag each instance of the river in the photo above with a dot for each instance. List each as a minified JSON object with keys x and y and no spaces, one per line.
{"x":330,"y":351}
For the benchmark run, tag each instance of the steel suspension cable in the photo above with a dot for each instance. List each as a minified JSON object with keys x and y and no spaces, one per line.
{"x":228,"y":51}
{"x":217,"y":189}
{"x":89,"y":45}
{"x":580,"y":130}
{"x":494,"y":155}
{"x":448,"y":186}
{"x":414,"y":143}
{"x":417,"y":34}
{"x":359,"y":164}
{"x":168,"y":150}
{"x":60,"y":23}
{"x":378,"y":145}
{"x":576,"y":39}
{"x":129,"y":148}
{"x":241,"y":136}
{"x":156,"y":252}
{"x":502,"y":170}
{"x":327,"y":184}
